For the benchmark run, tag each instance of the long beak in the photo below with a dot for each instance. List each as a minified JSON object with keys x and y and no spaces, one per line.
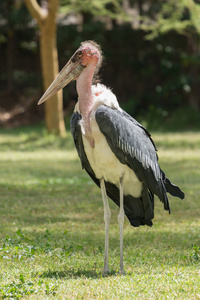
{"x":69,"y":72}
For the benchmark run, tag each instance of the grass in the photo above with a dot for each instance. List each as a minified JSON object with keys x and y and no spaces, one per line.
{"x":52,"y":230}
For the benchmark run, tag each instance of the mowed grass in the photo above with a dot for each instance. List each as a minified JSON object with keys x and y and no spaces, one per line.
{"x":52,"y":228}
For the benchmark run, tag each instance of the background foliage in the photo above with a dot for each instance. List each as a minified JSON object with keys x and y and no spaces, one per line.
{"x":151,"y":58}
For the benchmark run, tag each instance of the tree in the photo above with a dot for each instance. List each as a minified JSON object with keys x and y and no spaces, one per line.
{"x":45,"y":16}
{"x":183,"y":17}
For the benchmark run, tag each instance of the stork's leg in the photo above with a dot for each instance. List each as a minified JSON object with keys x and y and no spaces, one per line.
{"x":107,"y":215}
{"x":121,"y":223}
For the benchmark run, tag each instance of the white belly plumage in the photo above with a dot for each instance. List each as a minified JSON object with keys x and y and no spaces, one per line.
{"x":105,"y":164}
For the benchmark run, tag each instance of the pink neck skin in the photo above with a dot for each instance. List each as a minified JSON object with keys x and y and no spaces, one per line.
{"x":83,"y":85}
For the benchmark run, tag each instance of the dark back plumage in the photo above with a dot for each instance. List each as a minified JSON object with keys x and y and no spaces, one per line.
{"x":132,"y":145}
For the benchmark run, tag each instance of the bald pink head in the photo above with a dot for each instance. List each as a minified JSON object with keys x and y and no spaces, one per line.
{"x":88,"y":56}
{"x":89,"y":52}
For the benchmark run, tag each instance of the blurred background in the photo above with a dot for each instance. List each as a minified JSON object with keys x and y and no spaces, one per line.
{"x":151,"y":51}
{"x":51,"y":215}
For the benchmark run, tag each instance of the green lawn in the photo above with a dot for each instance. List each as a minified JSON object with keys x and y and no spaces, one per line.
{"x":52,"y":228}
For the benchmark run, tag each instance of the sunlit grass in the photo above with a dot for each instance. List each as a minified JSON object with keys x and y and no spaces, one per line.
{"x":52,"y":229}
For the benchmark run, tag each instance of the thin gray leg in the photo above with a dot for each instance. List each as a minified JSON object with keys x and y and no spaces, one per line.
{"x":107,"y":216}
{"x":121,"y":223}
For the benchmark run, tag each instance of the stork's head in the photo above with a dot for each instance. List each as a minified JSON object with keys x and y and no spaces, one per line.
{"x":89,"y":52}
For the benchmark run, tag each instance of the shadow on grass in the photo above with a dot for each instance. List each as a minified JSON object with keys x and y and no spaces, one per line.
{"x":27,"y":139}
{"x":76,"y":273}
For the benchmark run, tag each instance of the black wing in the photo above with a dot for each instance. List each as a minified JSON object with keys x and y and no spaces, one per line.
{"x":140,"y":211}
{"x":132,"y":145}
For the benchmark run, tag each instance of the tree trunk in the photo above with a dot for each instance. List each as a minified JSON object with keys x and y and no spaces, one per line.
{"x":49,"y":61}
{"x":46,"y":18}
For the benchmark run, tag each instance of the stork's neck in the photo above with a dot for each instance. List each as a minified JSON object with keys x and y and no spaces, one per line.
{"x":83,"y":85}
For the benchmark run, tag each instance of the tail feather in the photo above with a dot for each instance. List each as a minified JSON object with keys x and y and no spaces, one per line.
{"x":173,"y":189}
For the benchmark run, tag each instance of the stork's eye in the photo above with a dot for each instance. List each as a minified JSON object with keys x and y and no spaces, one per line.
{"x":76,"y":56}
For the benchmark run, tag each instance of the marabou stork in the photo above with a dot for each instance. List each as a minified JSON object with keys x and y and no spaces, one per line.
{"x":115,"y":150}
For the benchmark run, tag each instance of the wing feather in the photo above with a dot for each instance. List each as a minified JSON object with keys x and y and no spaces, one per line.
{"x":133,"y":146}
